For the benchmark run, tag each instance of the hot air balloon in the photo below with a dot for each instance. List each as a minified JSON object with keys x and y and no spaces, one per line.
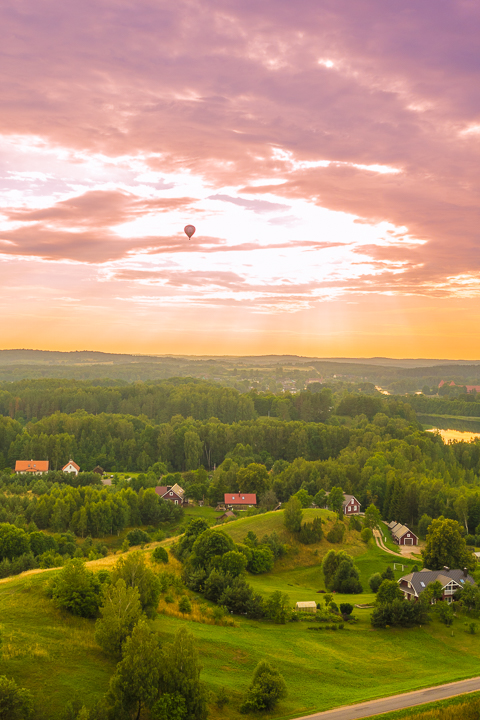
{"x":189,"y":230}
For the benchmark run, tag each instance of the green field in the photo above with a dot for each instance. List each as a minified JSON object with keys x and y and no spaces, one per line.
{"x":55,"y":655}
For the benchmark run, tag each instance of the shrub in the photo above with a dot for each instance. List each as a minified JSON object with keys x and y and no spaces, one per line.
{"x":15,"y":703}
{"x":312,"y":532}
{"x":160,"y":555}
{"x":388,"y":574}
{"x":277,"y":607}
{"x":222,"y":698}
{"x":137,"y":537}
{"x":375,"y":581}
{"x":366,"y":535}
{"x":261,"y":560}
{"x":76,"y":589}
{"x":184,"y":605}
{"x":346,"y":608}
{"x":337,"y":533}
{"x":266,"y":689}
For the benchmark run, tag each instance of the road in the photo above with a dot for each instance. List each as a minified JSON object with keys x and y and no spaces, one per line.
{"x":397,"y":702}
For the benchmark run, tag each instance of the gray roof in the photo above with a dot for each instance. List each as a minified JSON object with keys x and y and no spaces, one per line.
{"x":421,"y":580}
{"x":347,"y":498}
{"x":401,"y":530}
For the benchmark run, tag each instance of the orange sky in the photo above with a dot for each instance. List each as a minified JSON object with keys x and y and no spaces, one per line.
{"x":327,"y":153}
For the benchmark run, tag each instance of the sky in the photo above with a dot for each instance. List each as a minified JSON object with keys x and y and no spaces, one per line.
{"x":327,"y":152}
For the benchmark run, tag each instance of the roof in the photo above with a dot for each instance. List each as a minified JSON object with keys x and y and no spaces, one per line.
{"x":240,"y":499}
{"x":347,"y":498}
{"x":99,"y":470}
{"x":421,"y":580}
{"x":161,"y":490}
{"x":400,"y":530}
{"x":308,"y":603}
{"x":73,"y":464}
{"x":31,"y":466}
{"x":164,"y":489}
{"x":177,"y":489}
{"x":229,"y":513}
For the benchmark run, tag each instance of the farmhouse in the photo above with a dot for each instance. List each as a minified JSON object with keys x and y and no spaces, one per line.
{"x":71,"y":467}
{"x":240,"y":499}
{"x":310,"y":606}
{"x":351,"y":506}
{"x":415,"y":583}
{"x":402,"y":535}
{"x":34,"y":467}
{"x":174,"y":493}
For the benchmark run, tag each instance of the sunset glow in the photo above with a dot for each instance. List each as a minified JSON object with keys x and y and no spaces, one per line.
{"x":327,"y":153}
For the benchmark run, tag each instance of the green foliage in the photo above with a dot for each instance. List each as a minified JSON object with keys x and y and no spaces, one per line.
{"x":346,"y":608}
{"x":366,"y":535}
{"x":305,"y":499}
{"x":222,"y":698}
{"x":388,"y":573}
{"x":119,"y":612}
{"x":134,"y":571}
{"x":181,"y":675}
{"x":253,"y":479}
{"x":373,"y":517}
{"x":445,"y":613}
{"x":400,"y":613}
{"x":137,"y":537}
{"x":76,"y":589}
{"x":335,"y":499}
{"x":184,"y":605}
{"x":261,"y":560}
{"x":388,"y":592}
{"x":160,"y":555}
{"x":375,"y":581}
{"x":445,"y":546}
{"x":266,"y":689}
{"x":234,"y":563}
{"x":209,"y":547}
{"x":15,"y":703}
{"x":312,"y":532}
{"x":336,"y":534}
{"x":292,"y":515}
{"x":277,"y":607}
{"x":340,"y":573}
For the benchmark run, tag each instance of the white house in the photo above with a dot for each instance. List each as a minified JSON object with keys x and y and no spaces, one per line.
{"x":71,"y":467}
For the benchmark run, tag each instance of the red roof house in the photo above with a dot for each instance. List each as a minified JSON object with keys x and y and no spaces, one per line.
{"x":174,"y":493}
{"x":36,"y":467}
{"x":71,"y":467}
{"x":240,"y":499}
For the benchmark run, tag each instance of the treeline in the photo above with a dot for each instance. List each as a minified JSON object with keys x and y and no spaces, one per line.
{"x":466,"y":405}
{"x":118,"y":442}
{"x":85,"y":510}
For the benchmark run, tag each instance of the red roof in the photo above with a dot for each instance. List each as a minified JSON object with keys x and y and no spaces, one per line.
{"x":240,"y":499}
{"x":161,"y":490}
{"x":73,"y":464}
{"x":26,"y":466}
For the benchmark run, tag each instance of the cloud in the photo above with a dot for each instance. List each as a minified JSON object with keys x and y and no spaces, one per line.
{"x":257,"y":206}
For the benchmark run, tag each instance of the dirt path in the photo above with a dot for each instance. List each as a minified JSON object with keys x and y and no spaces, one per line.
{"x":404,"y":553}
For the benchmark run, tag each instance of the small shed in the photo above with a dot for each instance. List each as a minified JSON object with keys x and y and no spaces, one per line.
{"x":310,"y":606}
{"x":227,"y":515}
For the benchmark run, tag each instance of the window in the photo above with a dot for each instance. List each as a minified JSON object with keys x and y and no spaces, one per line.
{"x":422,"y":583}
{"x":355,"y":507}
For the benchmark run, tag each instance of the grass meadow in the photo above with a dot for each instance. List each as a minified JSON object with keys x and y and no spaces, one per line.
{"x":55,"y":655}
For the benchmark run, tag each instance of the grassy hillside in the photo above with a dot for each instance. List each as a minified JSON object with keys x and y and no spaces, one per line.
{"x":55,"y":654}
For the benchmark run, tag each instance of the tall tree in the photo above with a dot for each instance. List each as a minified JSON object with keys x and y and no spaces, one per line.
{"x":445,"y":546}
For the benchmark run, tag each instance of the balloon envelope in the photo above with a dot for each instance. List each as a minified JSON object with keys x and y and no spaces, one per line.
{"x":189,"y":230}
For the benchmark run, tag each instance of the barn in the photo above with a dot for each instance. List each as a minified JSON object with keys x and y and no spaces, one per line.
{"x":402,"y":535}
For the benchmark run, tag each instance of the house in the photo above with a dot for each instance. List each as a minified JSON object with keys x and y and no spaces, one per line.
{"x":240,"y":499}
{"x":71,"y":467}
{"x":415,"y":583}
{"x":351,"y":506}
{"x":477,"y":556}
{"x":34,"y":467}
{"x":227,"y":515}
{"x":99,"y":470}
{"x":173,"y":493}
{"x":402,"y":535}
{"x":310,"y":606}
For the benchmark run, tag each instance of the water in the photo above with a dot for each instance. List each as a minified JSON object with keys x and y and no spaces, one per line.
{"x":450,"y":435}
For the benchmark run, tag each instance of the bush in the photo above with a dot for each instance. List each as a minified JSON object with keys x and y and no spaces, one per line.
{"x":312,"y":532}
{"x":15,"y":703}
{"x":261,"y":560}
{"x":266,"y":689}
{"x":346,"y":608}
{"x":336,"y":534}
{"x":355,"y":523}
{"x":366,"y":535}
{"x":160,"y":555}
{"x":184,"y":605}
{"x":137,"y":537}
{"x":222,"y":698}
{"x":76,"y":589}
{"x":375,"y":581}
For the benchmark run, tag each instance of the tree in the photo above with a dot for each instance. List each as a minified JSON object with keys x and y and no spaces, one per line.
{"x":373,"y":517}
{"x":292,"y":515}
{"x":347,"y":578}
{"x":13,"y":541}
{"x":423,"y":525}
{"x":160,"y":554}
{"x":234,"y":563}
{"x":184,"y":605}
{"x":119,"y":613}
{"x":253,"y":479}
{"x":76,"y":589}
{"x":388,"y":573}
{"x":335,"y":500}
{"x":366,"y":535}
{"x":266,"y":689}
{"x":346,"y":609}
{"x":388,"y":592}
{"x":312,"y":532}
{"x":277,"y":607}
{"x":135,"y":683}
{"x":15,"y":703}
{"x":261,"y":560}
{"x":209,"y":548}
{"x":305,"y":499}
{"x":375,"y":581}
{"x":134,"y":571}
{"x":181,"y":675}
{"x":445,"y":546}
{"x":336,"y":533}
